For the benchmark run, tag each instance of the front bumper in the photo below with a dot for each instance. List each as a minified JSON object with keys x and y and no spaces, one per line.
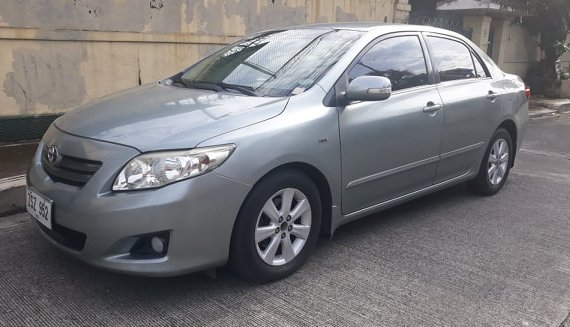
{"x":198,"y":213}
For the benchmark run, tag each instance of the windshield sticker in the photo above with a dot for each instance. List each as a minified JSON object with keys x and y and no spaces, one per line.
{"x":298,"y":90}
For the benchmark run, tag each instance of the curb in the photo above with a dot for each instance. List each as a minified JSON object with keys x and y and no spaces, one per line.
{"x":564,"y":108}
{"x":542,"y":112}
{"x":560,"y":107}
{"x":12,"y":191}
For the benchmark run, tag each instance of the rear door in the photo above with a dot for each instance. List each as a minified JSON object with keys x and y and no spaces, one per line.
{"x":470,"y":104}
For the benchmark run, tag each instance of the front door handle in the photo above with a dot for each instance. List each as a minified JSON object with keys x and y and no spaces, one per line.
{"x":492,"y":95}
{"x":432,"y":108}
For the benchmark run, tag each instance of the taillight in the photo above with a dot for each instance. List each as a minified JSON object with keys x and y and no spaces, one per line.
{"x":527,"y":93}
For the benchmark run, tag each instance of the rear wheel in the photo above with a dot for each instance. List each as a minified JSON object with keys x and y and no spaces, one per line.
{"x":277,"y":227}
{"x":496,"y":164}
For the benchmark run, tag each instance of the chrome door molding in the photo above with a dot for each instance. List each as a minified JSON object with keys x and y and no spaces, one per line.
{"x":403,"y":198}
{"x":459,"y":151}
{"x":392,"y":171}
{"x":413,"y":165}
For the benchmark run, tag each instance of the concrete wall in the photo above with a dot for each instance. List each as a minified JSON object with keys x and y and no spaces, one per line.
{"x":518,"y":49}
{"x":515,"y":49}
{"x":480,"y":25}
{"x":57,"y":54}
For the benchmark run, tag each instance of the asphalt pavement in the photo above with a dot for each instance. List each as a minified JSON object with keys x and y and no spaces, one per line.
{"x":452,"y":258}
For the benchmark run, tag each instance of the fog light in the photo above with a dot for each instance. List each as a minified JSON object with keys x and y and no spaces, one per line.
{"x":150,"y":246}
{"x":157,"y":244}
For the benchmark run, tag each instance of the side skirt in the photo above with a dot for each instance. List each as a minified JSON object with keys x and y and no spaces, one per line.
{"x":341,"y":220}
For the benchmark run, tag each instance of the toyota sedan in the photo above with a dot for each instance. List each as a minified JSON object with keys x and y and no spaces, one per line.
{"x":252,"y":153}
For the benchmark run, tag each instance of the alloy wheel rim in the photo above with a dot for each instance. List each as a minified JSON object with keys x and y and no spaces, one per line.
{"x":498,"y":162}
{"x":283,"y":227}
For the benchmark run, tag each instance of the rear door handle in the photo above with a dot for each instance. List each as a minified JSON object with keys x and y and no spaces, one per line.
{"x":432,"y":108}
{"x":492,"y":95}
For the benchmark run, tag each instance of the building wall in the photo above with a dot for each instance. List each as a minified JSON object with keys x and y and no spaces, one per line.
{"x":58,"y":54}
{"x":514,"y":49}
{"x":522,"y":50}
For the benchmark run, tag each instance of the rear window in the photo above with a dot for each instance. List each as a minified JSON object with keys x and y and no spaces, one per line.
{"x":453,"y":59}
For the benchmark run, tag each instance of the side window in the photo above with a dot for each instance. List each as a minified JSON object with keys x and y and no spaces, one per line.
{"x":400,"y":59}
{"x":453,"y":59}
{"x":481,"y":72}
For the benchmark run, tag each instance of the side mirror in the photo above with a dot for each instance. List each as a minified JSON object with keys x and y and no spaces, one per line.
{"x":369,"y":88}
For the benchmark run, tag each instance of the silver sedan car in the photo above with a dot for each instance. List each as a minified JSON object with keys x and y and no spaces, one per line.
{"x":250,"y":154}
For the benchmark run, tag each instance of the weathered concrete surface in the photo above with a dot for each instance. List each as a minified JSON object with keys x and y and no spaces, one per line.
{"x":450,"y":259}
{"x":514,"y":48}
{"x":14,"y":163}
{"x":55,"y":55}
{"x":213,"y":17}
{"x":536,"y":113}
{"x":12,"y":196}
{"x":544,"y":107}
{"x":15,"y":159}
{"x":566,"y":322}
{"x":34,"y":71}
{"x":560,"y":105}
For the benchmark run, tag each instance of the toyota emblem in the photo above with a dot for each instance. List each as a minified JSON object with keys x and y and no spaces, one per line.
{"x":52,"y":154}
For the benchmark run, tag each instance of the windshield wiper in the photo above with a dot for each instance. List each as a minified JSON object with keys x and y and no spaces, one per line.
{"x":213,"y":86}
{"x":247,"y":90}
{"x":180,"y":82}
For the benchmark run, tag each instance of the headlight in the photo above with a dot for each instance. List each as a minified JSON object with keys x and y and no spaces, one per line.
{"x":157,"y":169}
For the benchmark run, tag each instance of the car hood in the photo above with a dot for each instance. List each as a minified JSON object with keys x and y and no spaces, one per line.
{"x":158,"y":117}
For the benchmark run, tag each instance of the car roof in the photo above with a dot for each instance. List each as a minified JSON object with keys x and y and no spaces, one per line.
{"x":376,"y":27}
{"x":361,"y":26}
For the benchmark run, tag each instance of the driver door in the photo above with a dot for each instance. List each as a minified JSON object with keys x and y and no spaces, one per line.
{"x":391,"y":148}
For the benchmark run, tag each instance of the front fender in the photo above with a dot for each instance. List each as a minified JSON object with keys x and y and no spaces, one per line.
{"x":306,"y":132}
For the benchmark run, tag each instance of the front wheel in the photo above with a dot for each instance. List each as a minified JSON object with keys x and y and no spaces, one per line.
{"x":496,"y":164}
{"x":277,"y":227}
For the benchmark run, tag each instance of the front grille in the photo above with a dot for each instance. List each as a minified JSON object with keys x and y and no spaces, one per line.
{"x":67,"y":237}
{"x":70,"y":170}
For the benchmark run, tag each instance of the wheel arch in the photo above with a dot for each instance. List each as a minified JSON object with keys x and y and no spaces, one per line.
{"x":316,"y":177}
{"x":510,"y":126}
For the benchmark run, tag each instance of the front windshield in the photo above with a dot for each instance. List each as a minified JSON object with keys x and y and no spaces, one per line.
{"x":276,"y":63}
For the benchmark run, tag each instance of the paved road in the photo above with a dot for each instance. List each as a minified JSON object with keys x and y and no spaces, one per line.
{"x":449,"y":259}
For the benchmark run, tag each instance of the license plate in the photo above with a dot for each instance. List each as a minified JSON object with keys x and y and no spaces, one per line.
{"x":39,"y":207}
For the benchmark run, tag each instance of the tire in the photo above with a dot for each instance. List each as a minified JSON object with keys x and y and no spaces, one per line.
{"x":494,"y":171}
{"x":271,"y":258}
